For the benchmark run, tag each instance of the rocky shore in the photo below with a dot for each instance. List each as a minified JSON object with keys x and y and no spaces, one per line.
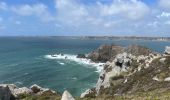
{"x":34,"y":92}
{"x":133,"y":72}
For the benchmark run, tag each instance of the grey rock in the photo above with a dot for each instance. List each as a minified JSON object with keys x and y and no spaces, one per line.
{"x":22,"y":90}
{"x":167,"y":50}
{"x":5,"y":93}
{"x":35,"y":88}
{"x":67,"y":96}
{"x":89,"y":93}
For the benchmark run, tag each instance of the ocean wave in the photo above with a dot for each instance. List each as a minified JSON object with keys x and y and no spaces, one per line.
{"x":61,"y":63}
{"x":18,"y":83}
{"x":99,"y":66}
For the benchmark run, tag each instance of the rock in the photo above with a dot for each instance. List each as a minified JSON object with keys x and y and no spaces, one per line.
{"x":35,"y":88}
{"x":167,"y":50}
{"x":67,"y":96}
{"x":167,"y":79}
{"x":162,"y":60}
{"x":89,"y":93}
{"x":105,"y":53}
{"x":156,"y":79}
{"x":137,"y":50}
{"x":123,"y":60}
{"x":46,"y":90}
{"x":23,"y":90}
{"x":81,"y":56}
{"x":5,"y":93}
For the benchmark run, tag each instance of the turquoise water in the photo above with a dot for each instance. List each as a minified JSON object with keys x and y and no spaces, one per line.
{"x":23,"y":62}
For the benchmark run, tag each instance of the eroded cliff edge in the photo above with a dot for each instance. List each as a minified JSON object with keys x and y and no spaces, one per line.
{"x":133,"y":72}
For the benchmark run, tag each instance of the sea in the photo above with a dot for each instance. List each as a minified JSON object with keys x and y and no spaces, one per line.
{"x":25,"y":61}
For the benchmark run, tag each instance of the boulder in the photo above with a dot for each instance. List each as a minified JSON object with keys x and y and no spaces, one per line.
{"x":81,"y":56}
{"x":167,"y":50}
{"x":67,"y":96}
{"x":35,"y":88}
{"x":5,"y":93}
{"x":20,"y":91}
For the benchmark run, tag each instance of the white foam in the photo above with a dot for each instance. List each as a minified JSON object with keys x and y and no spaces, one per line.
{"x":61,"y":63}
{"x":99,"y":66}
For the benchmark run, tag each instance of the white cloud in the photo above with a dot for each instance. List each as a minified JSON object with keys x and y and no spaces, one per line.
{"x":164,"y":4}
{"x":75,"y":14}
{"x":165,"y":14}
{"x":39,"y":10}
{"x":3,"y":6}
{"x":118,"y":16}
{"x":132,"y":9}
{"x":70,"y":11}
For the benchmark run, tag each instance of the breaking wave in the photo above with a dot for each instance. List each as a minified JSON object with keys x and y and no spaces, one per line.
{"x":85,"y":61}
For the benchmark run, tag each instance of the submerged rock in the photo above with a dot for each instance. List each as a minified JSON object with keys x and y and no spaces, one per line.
{"x":67,"y":96}
{"x":81,"y":56}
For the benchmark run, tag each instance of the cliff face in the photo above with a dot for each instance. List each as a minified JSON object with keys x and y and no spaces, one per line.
{"x":135,"y":72}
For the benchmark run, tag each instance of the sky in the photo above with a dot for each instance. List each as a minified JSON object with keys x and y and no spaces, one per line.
{"x":85,"y":18}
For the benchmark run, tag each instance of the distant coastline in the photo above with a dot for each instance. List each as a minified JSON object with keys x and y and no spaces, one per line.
{"x":123,"y":38}
{"x":100,"y":37}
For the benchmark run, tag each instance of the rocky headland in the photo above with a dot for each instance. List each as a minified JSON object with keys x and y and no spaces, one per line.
{"x":133,"y":72}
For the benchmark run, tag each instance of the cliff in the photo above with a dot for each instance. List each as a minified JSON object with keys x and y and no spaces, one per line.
{"x":136,"y":73}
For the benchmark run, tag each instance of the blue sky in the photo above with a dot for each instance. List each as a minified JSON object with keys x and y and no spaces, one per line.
{"x":85,"y":17}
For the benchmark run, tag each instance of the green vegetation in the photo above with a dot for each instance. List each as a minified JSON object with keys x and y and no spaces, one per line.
{"x":44,"y":96}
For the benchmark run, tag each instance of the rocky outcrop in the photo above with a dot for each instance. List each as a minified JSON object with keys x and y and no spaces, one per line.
{"x":109,"y":52}
{"x":137,"y":50}
{"x":105,"y":53}
{"x":67,"y":96}
{"x":112,"y":69}
{"x":122,"y":74}
{"x":5,"y":93}
{"x":89,"y":93}
{"x":12,"y":92}
{"x":167,"y":50}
